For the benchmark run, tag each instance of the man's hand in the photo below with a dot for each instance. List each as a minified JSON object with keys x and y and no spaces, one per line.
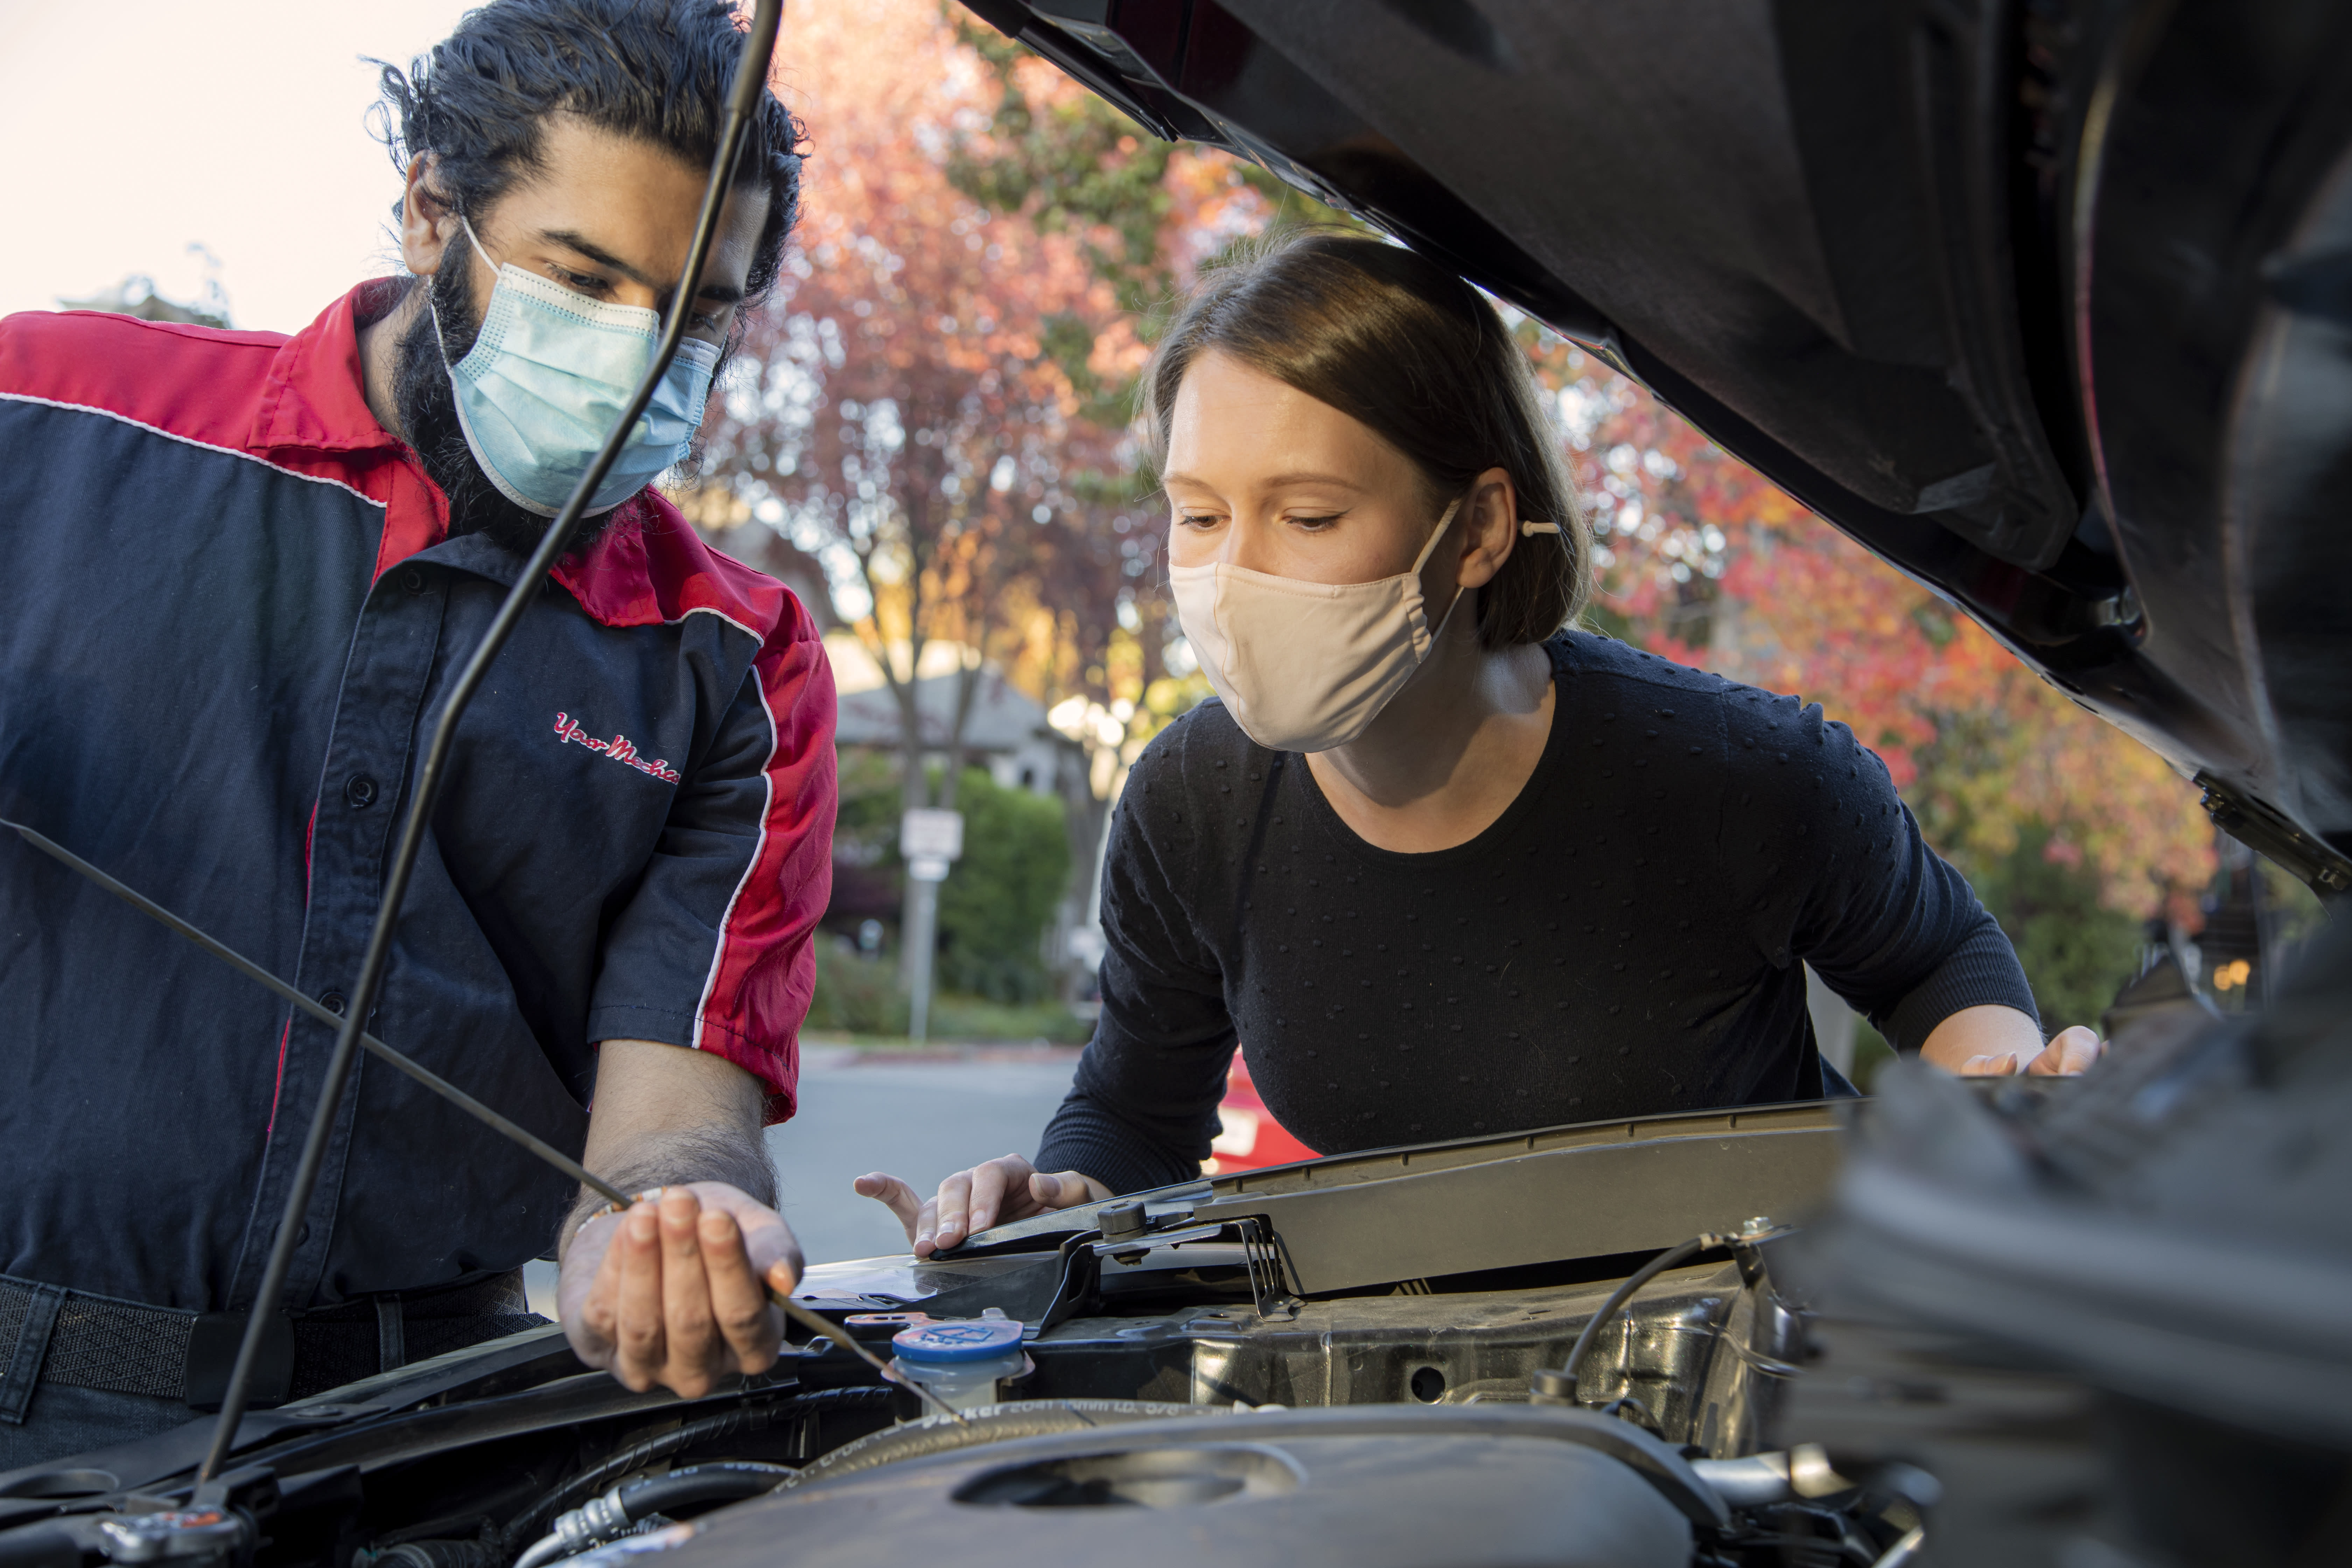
{"x":674,"y":1292}
{"x":972,"y":1201}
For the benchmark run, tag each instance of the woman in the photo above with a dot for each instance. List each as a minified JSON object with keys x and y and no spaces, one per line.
{"x":1442,"y":868}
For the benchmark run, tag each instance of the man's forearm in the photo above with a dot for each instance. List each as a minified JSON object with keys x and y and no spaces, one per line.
{"x":665,"y":1116}
{"x":672,"y":1158}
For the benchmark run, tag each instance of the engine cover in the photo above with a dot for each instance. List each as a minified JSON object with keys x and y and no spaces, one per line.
{"x":1476,"y":1490}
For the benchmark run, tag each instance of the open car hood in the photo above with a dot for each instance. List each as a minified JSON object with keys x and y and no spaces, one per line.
{"x":2047,"y":305}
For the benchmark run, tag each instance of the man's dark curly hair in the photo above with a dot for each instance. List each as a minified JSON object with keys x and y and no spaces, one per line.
{"x":655,"y":70}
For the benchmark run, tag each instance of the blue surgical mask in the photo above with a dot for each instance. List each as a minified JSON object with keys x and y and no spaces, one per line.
{"x":547,"y":379}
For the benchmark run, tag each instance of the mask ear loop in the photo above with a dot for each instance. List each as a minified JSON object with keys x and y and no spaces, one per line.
{"x":439,"y":342}
{"x":1527,"y":531}
{"x":1423,"y":560}
{"x":480,"y":249}
{"x":1435,"y":534}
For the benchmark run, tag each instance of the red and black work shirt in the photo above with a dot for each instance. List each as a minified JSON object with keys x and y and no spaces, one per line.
{"x":229,"y":613}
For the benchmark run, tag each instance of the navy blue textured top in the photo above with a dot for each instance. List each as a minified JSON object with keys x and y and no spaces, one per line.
{"x":1624,"y":940}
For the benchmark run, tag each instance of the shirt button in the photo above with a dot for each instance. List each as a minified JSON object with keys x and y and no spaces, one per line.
{"x":359,"y":790}
{"x":332,"y":1002}
{"x":413,"y":580}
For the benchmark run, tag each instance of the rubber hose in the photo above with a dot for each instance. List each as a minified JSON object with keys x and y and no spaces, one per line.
{"x":594,"y":1523}
{"x":701,"y":1483}
{"x":528,"y":1526}
{"x":989,"y":1424}
{"x":1572,"y":1373}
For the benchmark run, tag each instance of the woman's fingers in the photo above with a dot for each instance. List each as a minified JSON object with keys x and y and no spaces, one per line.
{"x":944,"y":1224}
{"x":886,"y":1188}
{"x":1000,"y":1191}
{"x":1999,"y":1066}
{"x":1066,"y":1190}
{"x":2070,"y":1052}
{"x":972,"y":1201}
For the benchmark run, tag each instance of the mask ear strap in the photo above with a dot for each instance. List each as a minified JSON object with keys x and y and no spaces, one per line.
{"x":480,"y":249}
{"x":1436,"y":533}
{"x":1529,"y":530}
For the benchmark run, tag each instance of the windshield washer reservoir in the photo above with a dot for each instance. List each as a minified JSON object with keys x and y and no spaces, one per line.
{"x":962,"y":1363}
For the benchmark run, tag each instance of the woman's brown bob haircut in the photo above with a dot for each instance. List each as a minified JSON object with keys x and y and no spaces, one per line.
{"x":1398,"y":344}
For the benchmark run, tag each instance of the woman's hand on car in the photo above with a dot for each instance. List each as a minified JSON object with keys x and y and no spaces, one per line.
{"x":1993,"y":1041}
{"x":2069,"y":1052}
{"x":991,"y":1192}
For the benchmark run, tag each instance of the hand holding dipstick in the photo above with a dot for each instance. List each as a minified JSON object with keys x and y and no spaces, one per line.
{"x":702,"y":1242}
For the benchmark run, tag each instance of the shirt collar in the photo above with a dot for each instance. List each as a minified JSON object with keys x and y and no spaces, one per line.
{"x":316,"y":395}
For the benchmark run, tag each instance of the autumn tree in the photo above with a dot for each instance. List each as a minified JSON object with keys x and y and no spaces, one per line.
{"x":1143,"y":212}
{"x":900,"y":415}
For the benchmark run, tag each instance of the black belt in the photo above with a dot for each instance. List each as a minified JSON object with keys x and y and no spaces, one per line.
{"x":52,"y":1335}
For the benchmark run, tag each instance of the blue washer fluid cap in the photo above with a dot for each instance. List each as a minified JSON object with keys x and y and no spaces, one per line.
{"x":982,"y":1339}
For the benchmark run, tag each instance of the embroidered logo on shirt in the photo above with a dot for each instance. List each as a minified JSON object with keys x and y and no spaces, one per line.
{"x":620,"y":748}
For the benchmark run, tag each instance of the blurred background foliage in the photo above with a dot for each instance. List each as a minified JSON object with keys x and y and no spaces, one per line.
{"x":996,"y":901}
{"x":994,"y":909}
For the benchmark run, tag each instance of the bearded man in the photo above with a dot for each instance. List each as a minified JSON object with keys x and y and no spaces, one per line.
{"x":244,"y":572}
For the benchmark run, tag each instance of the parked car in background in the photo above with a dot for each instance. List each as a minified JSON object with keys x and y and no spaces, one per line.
{"x":1252,"y":1139}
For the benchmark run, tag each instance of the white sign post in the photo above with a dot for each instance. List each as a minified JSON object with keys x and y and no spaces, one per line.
{"x":928,"y":840}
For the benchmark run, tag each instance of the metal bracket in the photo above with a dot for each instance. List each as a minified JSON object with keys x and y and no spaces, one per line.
{"x":2264,"y":830}
{"x":1262,"y":1254}
{"x":1262,"y":1250}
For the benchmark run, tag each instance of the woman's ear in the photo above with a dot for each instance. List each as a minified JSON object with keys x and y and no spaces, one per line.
{"x":1490,"y":528}
{"x":424,"y":218}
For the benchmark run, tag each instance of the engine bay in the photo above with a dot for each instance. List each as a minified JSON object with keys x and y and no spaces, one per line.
{"x":1567,"y":1346}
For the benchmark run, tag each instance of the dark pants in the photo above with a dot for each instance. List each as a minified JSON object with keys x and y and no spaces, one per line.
{"x":86,"y":1373}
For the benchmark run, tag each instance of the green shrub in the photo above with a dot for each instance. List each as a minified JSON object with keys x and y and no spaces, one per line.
{"x":997,"y":901}
{"x":976,"y":1018}
{"x":2077,"y":952}
{"x":855,"y":996}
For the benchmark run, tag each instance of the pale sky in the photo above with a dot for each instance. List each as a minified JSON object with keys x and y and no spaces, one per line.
{"x":133,"y":129}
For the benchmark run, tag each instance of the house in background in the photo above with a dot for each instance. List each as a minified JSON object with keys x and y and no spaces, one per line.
{"x":1005,"y":732}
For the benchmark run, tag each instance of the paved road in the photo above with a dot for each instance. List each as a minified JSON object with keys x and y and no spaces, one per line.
{"x":915,"y":1120}
{"x":918,"y":1121}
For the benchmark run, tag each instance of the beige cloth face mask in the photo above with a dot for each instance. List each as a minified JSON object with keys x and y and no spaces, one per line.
{"x":1306,"y":667}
